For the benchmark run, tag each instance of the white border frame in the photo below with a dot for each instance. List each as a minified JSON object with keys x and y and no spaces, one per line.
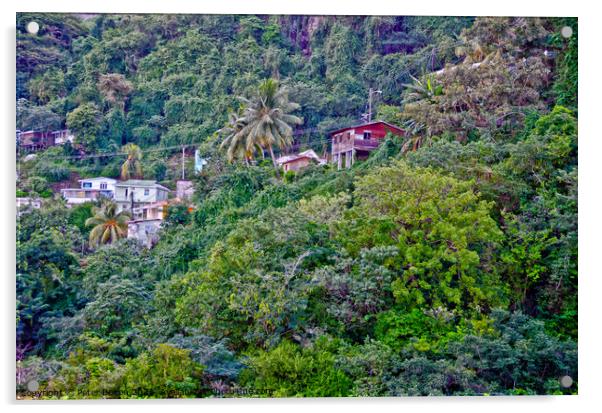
{"x":589,"y":195}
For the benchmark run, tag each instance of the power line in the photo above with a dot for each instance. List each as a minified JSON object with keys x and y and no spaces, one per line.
{"x":114,"y":154}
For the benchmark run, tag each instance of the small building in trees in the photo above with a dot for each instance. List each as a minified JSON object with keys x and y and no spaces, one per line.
{"x":356,"y":142}
{"x":145,"y":230}
{"x":34,"y":140}
{"x":298,"y":161}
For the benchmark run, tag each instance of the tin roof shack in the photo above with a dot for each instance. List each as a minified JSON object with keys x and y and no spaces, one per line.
{"x":356,"y":142}
{"x":299,"y":161}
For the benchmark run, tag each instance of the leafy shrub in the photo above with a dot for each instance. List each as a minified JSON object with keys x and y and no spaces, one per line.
{"x":111,"y":170}
{"x":289,"y":176}
{"x":51,"y":171}
{"x":399,"y":329}
{"x":78,"y":214}
{"x":166,"y":372}
{"x":518,"y":355}
{"x":37,"y":184}
{"x":219,"y":362}
{"x":177,"y":214}
{"x":291,"y":371}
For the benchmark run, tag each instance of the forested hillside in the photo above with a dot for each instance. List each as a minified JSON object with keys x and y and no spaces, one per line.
{"x":444,"y":264}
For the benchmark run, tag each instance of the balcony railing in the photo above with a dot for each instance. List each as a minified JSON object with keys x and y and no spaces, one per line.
{"x":86,"y":193}
{"x":366,"y":144}
{"x":350,"y":143}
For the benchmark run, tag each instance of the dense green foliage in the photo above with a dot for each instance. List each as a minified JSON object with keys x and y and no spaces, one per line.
{"x":444,"y":264}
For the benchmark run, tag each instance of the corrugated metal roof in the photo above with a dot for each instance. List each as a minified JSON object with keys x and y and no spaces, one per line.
{"x":141,"y":183}
{"x":366,"y":124}
{"x":100,"y":178}
{"x":310,"y":154}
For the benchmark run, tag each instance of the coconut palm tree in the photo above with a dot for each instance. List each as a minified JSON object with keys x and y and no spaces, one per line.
{"x":234,"y":142}
{"x":109,"y":225}
{"x":266,"y":121}
{"x":132,"y":167}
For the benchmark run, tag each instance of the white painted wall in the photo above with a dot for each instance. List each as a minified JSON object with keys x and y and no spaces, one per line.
{"x":95,"y":183}
{"x":142,"y":194}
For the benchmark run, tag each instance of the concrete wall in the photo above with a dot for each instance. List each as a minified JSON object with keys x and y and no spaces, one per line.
{"x":142,"y":194}
{"x":296,"y":164}
{"x":145,"y":231}
{"x":96,"y":183}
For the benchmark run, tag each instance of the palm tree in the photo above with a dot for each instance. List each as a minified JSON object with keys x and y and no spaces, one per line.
{"x":266,"y":121}
{"x":417,"y":136}
{"x":132,"y":168}
{"x":427,"y":88}
{"x":234,"y":141}
{"x":109,"y":226}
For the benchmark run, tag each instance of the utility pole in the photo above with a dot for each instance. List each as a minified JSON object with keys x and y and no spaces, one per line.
{"x":370,"y":106}
{"x":370,"y":93}
{"x":183,"y":169}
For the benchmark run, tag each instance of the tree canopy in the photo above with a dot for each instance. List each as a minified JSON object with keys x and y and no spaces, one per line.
{"x":443,"y":264}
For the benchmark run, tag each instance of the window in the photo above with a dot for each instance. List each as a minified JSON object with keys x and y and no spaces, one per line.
{"x":146,"y":192}
{"x":103,"y":185}
{"x":367,"y":135}
{"x":87,"y":185}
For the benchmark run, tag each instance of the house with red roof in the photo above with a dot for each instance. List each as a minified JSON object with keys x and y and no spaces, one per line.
{"x":356,"y":142}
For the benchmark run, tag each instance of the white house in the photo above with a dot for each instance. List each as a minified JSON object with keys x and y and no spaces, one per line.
{"x":90,"y":190}
{"x":134,"y":194}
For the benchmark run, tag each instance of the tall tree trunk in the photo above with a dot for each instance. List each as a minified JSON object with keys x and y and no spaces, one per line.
{"x":274,"y":161}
